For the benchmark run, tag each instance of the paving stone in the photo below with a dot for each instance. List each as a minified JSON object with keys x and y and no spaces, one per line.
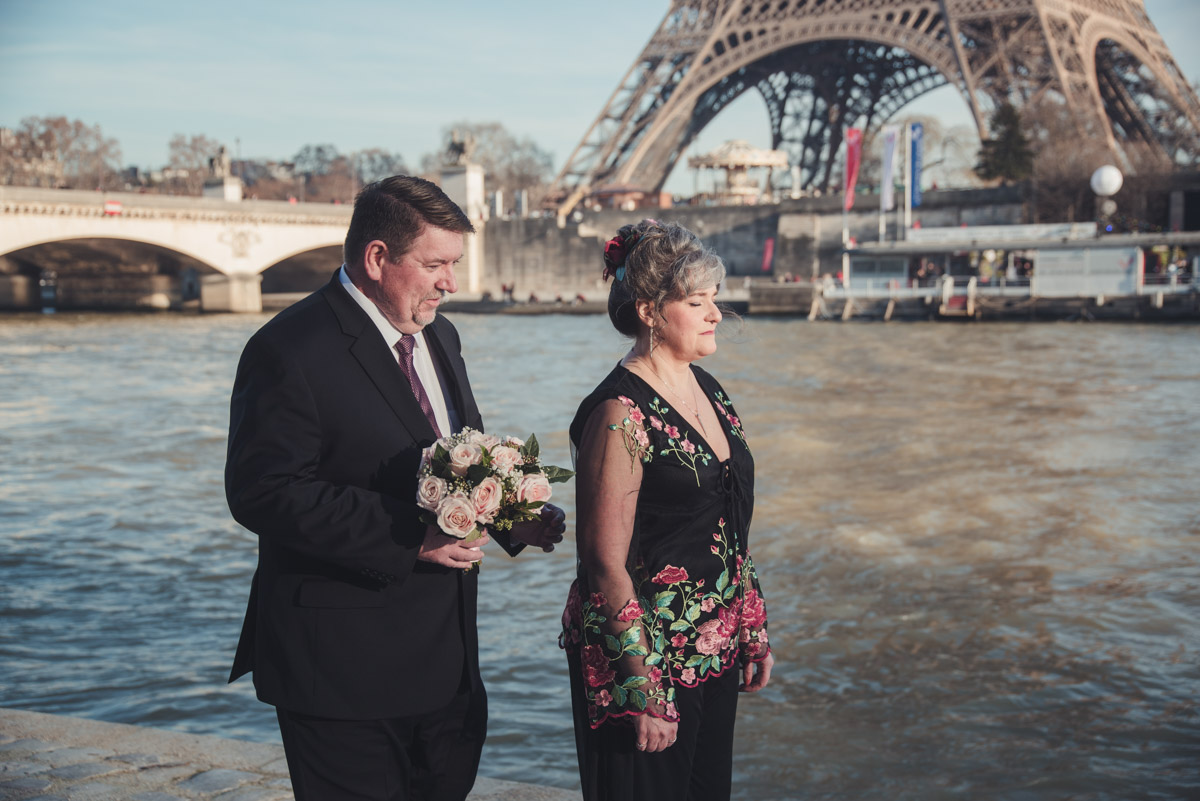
{"x":30,"y":783}
{"x":47,"y":798}
{"x":10,"y":770}
{"x":85,"y":770}
{"x":278,"y":766}
{"x":284,"y":783}
{"x":69,"y":756}
{"x":214,"y":781}
{"x":28,"y":744}
{"x":97,"y":791}
{"x":253,"y":794}
{"x":154,"y":796}
{"x":137,"y":760}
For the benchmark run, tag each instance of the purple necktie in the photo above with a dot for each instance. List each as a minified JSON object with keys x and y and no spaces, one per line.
{"x":405,"y":348}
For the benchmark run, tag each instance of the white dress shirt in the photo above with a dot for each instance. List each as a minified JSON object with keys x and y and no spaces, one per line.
{"x":446,"y":415}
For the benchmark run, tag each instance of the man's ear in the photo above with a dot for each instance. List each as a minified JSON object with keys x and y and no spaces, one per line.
{"x":375,"y":256}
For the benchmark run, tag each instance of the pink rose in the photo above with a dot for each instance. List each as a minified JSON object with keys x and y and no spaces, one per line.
{"x":514,"y":442}
{"x":754,"y":610}
{"x":656,"y":423}
{"x":707,"y":604}
{"x":430,"y":491}
{"x":636,"y":415}
{"x":597,"y":599}
{"x":688,"y":676}
{"x":672,"y":432}
{"x":463,"y":456}
{"x":533,"y":488}
{"x":486,"y":499}
{"x":670,"y":575}
{"x":483,"y":440}
{"x":710,"y":640}
{"x":729,"y":620}
{"x":456,"y":516}
{"x":631,"y":611}
{"x":595,"y":666}
{"x":504,"y":458}
{"x":603,"y":698}
{"x":687,"y":446}
{"x":679,"y":640}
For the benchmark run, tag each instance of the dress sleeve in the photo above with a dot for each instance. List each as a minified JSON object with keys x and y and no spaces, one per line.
{"x":622,"y":671}
{"x":753,"y":643}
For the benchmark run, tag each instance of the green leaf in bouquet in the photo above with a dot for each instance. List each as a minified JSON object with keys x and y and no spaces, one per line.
{"x":557,"y":475}
{"x":476,"y":473}
{"x":529,"y":469}
{"x":531,"y":450}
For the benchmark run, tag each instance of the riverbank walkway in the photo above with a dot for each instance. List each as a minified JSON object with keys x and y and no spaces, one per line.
{"x":55,"y":758}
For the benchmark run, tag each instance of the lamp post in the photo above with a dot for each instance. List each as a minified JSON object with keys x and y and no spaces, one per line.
{"x":1106,"y":182}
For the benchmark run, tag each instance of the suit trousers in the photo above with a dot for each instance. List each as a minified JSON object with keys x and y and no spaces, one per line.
{"x":429,"y":757}
{"x":698,"y":767}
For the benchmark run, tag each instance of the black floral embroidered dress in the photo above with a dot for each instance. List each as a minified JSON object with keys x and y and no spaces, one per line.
{"x":698,"y":610}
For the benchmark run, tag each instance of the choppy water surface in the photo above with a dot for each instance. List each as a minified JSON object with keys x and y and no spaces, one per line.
{"x":979,"y":545}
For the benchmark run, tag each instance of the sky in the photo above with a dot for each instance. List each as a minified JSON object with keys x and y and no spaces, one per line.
{"x":267,"y":78}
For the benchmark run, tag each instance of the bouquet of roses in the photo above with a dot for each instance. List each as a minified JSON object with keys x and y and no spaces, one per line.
{"x":470,"y":481}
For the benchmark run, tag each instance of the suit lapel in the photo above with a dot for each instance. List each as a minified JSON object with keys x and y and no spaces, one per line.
{"x":455,"y":371}
{"x":372,"y":354}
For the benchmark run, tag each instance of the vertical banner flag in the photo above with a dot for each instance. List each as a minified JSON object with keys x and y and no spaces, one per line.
{"x":887,"y":194}
{"x":853,"y":157}
{"x":768,"y":254}
{"x":918,"y":155}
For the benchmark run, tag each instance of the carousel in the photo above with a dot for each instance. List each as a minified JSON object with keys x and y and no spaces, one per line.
{"x":742,"y":164}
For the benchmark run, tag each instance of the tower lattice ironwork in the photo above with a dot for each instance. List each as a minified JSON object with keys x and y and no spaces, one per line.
{"x":824,"y":65}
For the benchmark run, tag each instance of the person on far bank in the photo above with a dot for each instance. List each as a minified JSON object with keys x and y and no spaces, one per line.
{"x":666,"y":621}
{"x":360,"y":628}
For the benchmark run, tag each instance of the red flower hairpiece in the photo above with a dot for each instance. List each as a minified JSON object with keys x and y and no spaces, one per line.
{"x":616,"y":252}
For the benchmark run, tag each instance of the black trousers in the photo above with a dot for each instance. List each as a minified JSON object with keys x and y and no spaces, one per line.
{"x":430,"y":757}
{"x":698,"y":767}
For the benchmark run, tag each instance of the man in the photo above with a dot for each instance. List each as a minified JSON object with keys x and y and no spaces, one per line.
{"x":360,"y":628}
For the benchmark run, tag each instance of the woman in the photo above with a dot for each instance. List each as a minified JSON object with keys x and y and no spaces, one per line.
{"x":666,"y":615}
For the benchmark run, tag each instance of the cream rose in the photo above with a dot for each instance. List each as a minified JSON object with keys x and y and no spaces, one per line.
{"x":488,"y":441}
{"x":504,"y":459}
{"x":430,"y":491}
{"x":462,"y":456}
{"x":456,"y":516}
{"x":533,"y":488}
{"x":486,"y":499}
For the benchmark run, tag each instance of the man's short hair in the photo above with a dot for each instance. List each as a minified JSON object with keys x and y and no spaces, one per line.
{"x":395,"y":211}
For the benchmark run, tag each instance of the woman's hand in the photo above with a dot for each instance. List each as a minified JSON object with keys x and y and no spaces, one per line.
{"x":755,"y":675}
{"x":653,"y":734}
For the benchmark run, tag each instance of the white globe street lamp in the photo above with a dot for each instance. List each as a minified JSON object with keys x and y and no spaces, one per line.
{"x":1106,"y":182}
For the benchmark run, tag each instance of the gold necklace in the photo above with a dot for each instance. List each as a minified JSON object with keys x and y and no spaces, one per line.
{"x":679,"y":397}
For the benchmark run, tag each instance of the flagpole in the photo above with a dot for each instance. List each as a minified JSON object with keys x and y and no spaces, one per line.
{"x":908,"y":178}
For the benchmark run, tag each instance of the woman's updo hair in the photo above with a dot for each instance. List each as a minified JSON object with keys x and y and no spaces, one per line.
{"x":658,"y":262}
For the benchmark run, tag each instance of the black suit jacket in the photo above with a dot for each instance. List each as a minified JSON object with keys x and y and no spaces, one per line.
{"x":325,"y":439}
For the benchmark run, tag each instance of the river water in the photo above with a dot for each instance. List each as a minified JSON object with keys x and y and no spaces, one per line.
{"x":980,"y":546}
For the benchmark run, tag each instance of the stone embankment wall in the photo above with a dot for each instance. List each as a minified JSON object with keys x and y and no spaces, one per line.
{"x":535,"y":255}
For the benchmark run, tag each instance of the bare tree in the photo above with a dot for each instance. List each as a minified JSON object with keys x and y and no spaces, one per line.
{"x":512,"y":163}
{"x":187,"y":157}
{"x":373,"y":164}
{"x":55,"y":152}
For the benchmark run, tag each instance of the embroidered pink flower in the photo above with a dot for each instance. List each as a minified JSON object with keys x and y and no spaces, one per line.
{"x":707,"y":604}
{"x":717,"y":536}
{"x":625,"y":400}
{"x":711,"y":639}
{"x":672,"y":432}
{"x":631,"y":611}
{"x":603,"y":698}
{"x":636,"y":415}
{"x":753,"y":648}
{"x":730,"y":621}
{"x":595,"y":666}
{"x":597,"y":599}
{"x":699,"y":582}
{"x":671,"y":711}
{"x":671,"y":575}
{"x":643,"y":439}
{"x":687,"y":446}
{"x":656,"y":423}
{"x":721,"y":523}
{"x":714,"y":549}
{"x":688,"y":676}
{"x":754,"y":610}
{"x":679,"y":640}
{"x":655,"y":675}
{"x":736,"y":422}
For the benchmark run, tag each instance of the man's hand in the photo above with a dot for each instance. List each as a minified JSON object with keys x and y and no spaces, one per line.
{"x":447,"y":551}
{"x":545,"y":532}
{"x":651,"y":734}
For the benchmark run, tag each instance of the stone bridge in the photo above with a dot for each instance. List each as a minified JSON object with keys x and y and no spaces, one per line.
{"x":133,"y":250}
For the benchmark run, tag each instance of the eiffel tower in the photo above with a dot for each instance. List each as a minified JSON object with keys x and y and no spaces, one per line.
{"x":824,"y":65}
